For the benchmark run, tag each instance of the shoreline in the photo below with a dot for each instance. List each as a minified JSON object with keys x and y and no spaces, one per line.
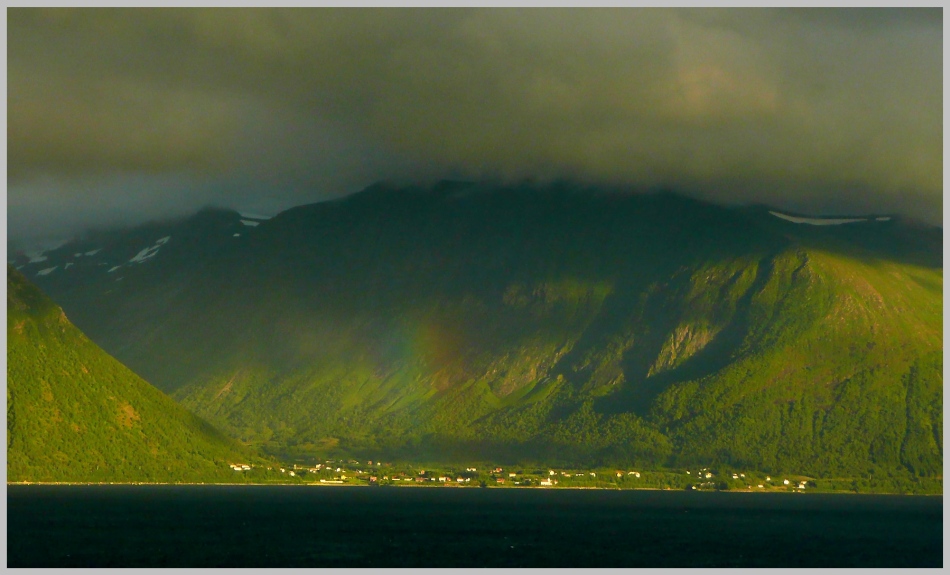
{"x":151,"y":483}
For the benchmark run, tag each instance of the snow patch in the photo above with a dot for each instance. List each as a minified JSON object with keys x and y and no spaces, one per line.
{"x":93,"y":252}
{"x":250,"y":223}
{"x":237,"y":235}
{"x":47,"y":271}
{"x":817,"y":221}
{"x":112,"y":269}
{"x":77,"y":255}
{"x":66,"y":267}
{"x":35,"y":259}
{"x":145,"y":254}
{"x":252,"y":216}
{"x":150,"y":251}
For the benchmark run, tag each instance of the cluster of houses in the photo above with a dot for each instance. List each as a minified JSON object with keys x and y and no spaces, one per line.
{"x":708,"y":474}
{"x":704,"y":472}
{"x":335,"y":473}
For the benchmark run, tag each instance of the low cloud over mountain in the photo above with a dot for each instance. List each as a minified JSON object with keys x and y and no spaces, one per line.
{"x":122,"y":115}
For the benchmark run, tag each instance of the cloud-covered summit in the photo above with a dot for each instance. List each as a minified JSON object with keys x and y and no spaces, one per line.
{"x":123,"y":113}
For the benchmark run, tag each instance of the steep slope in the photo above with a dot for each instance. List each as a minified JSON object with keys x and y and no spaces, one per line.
{"x":556,"y":323}
{"x":76,"y":414}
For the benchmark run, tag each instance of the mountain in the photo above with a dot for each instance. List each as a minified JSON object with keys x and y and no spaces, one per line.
{"x":553,"y":323}
{"x":76,"y":414}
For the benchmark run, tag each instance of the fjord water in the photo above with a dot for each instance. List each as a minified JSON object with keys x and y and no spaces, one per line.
{"x":297,"y":526}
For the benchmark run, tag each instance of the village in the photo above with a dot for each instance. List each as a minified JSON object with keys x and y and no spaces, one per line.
{"x":378,"y":474}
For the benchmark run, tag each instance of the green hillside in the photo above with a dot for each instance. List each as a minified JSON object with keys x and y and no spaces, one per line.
{"x":551,"y":324}
{"x":76,"y":414}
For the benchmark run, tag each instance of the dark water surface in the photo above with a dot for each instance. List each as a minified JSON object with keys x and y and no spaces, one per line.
{"x":292,"y":526}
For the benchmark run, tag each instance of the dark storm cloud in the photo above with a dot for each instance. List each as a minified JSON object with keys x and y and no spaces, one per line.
{"x":823,"y":109}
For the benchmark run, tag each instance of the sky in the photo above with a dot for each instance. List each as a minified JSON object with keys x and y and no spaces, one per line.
{"x":117,"y":116}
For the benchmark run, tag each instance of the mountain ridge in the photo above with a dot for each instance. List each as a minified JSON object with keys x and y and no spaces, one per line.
{"x":546,"y":322}
{"x":76,"y":414}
